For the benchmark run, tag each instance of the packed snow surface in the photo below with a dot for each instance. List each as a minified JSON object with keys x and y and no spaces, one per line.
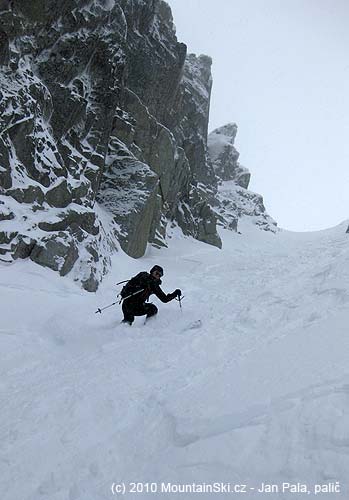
{"x":247,"y":384}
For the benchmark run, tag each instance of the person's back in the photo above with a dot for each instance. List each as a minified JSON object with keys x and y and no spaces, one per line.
{"x":136,"y":288}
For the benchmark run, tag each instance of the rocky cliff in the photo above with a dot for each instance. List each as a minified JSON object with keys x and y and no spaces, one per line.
{"x":103,"y":134}
{"x":232,"y":199}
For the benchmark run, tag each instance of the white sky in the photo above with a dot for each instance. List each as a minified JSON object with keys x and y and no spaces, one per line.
{"x":281,"y":72}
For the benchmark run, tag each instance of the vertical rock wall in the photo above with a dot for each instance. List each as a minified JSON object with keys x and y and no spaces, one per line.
{"x":103,"y":133}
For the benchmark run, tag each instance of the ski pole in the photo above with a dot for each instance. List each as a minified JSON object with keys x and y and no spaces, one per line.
{"x":99,"y":310}
{"x":120,"y":282}
{"x":180,"y":301}
{"x":131,"y":295}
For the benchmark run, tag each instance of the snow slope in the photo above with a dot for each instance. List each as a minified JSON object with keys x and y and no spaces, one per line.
{"x":249,"y":383}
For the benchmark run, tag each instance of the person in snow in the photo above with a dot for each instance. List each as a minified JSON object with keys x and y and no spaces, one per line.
{"x":137,"y":292}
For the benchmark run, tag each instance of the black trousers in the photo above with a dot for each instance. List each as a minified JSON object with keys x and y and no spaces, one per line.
{"x":132,"y":309}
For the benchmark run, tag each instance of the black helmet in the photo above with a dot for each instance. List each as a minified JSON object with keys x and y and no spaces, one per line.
{"x":159,"y":269}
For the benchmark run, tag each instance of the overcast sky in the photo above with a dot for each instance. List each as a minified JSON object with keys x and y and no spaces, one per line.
{"x":281,"y":72}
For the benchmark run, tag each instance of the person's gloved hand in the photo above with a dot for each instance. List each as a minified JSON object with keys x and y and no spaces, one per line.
{"x":177,"y":292}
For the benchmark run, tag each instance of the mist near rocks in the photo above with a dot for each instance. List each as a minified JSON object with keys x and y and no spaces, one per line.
{"x":280,"y":71}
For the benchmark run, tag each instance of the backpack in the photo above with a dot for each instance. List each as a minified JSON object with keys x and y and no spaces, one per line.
{"x":136,"y":284}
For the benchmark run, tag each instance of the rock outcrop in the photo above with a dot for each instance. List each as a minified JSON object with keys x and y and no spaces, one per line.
{"x":233,"y":200}
{"x":103,"y":134}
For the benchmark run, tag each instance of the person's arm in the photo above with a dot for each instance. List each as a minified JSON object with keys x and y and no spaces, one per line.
{"x":163,"y":296}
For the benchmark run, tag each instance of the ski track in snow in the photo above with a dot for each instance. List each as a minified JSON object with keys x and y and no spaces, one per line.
{"x":249,"y":383}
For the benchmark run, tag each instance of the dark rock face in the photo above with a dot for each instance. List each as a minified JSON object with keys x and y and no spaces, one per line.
{"x":103,"y":122}
{"x":189,"y":122}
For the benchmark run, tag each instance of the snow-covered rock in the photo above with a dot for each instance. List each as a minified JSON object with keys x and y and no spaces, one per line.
{"x":90,"y":98}
{"x":103,"y":117}
{"x":233,"y":199}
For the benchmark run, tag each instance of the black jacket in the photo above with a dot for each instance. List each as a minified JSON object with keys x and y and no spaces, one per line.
{"x":149,"y":286}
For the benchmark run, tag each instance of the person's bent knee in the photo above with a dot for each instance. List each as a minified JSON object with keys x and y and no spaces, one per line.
{"x":152,"y":310}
